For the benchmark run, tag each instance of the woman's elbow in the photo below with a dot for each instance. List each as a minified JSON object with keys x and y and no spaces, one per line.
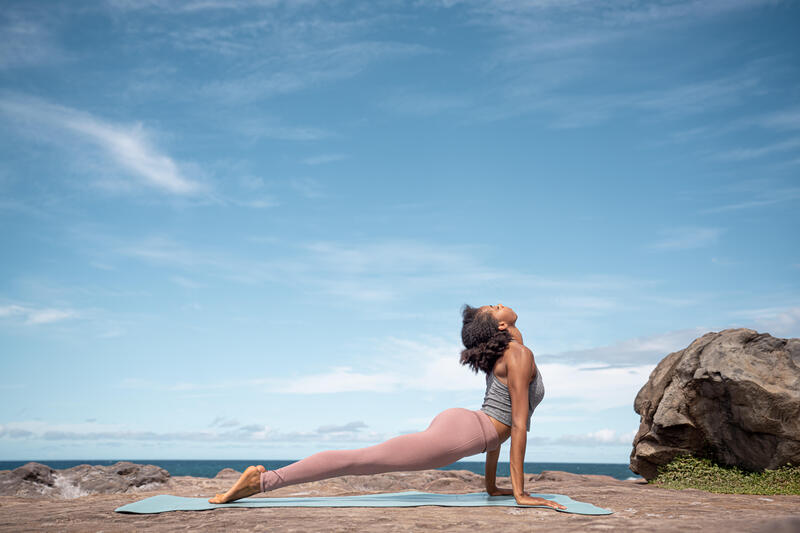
{"x":519,"y":426}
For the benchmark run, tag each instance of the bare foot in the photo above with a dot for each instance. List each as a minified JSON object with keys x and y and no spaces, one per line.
{"x":248,"y":484}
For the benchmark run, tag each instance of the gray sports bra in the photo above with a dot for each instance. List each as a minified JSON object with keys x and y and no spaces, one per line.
{"x":497,"y":400}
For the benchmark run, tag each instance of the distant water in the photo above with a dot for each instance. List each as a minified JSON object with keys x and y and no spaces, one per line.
{"x":209,"y":468}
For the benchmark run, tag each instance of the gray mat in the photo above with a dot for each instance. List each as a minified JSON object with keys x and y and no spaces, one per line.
{"x":164,"y":503}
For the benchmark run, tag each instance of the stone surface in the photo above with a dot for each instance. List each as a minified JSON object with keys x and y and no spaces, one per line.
{"x":228,"y":473}
{"x":31,"y":479}
{"x":637,"y":507}
{"x":732,"y":396}
{"x":34,"y":480}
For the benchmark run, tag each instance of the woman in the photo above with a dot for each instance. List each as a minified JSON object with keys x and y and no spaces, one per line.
{"x":514,"y":388}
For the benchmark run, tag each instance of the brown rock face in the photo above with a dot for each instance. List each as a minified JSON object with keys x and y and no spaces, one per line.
{"x":34,"y":480}
{"x":732,"y":396}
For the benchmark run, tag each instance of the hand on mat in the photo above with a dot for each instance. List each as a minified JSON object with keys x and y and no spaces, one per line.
{"x":527,"y":500}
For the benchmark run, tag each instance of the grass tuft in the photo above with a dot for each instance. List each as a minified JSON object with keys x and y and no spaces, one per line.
{"x":687,"y":472}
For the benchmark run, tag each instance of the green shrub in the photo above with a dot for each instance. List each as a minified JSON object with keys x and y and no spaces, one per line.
{"x":687,"y":472}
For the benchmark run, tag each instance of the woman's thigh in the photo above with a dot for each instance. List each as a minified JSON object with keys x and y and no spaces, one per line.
{"x":453,"y":434}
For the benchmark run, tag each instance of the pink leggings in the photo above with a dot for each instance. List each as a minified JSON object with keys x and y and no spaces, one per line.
{"x":453,"y":434}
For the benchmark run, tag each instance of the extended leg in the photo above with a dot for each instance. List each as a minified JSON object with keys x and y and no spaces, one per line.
{"x":453,"y":434}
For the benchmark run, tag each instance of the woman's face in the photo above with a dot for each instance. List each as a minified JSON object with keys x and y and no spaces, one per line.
{"x":501,"y":313}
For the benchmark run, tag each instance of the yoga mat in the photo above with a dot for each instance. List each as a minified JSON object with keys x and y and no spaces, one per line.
{"x":164,"y":503}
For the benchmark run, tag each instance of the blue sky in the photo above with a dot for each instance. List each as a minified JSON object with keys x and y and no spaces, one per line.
{"x":245,"y":229}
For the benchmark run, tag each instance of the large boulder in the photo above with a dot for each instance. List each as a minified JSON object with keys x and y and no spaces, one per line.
{"x":36,"y":480}
{"x":732,"y":397}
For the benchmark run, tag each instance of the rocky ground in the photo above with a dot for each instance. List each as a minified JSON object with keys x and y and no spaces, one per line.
{"x":636,"y":505}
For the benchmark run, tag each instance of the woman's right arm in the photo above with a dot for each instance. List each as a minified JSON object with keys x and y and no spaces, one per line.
{"x":521,"y":368}
{"x":520,"y":372}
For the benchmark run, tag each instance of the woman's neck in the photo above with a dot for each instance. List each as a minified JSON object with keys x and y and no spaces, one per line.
{"x":516,"y":335}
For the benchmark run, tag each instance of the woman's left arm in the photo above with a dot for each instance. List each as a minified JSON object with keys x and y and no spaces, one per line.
{"x":491,"y":474}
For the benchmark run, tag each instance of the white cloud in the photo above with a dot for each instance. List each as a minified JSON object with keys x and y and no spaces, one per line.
{"x":32,"y":316}
{"x":224,"y":422}
{"x":264,"y":202}
{"x":25,"y":41}
{"x":587,"y":379}
{"x":785,"y":119}
{"x":379,"y":271}
{"x":222,"y":431}
{"x":742,"y":154}
{"x":634,"y":13}
{"x":432,"y":366}
{"x":127,"y":147}
{"x":601,"y":437}
{"x":11,"y":310}
{"x":192,"y":6}
{"x":760,"y":198}
{"x":264,"y":128}
{"x":311,"y":67}
{"x":546,"y":14}
{"x":46,"y":316}
{"x":540,"y":52}
{"x":195,"y":261}
{"x":357,"y":425}
{"x":308,"y":187}
{"x":777,"y":321}
{"x":632,"y":352}
{"x":186,"y":282}
{"x":335,"y":380}
{"x":591,"y":388}
{"x":685,"y":238}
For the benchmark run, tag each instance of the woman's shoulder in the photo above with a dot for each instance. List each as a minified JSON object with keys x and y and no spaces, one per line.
{"x":519,"y":350}
{"x":517,"y":354}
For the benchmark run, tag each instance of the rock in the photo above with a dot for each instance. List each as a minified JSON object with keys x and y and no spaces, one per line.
{"x":31,"y":479}
{"x":556,"y":475}
{"x":732,"y":397}
{"x":37,"y":480}
{"x":228,"y":473}
{"x":117,"y":478}
{"x":444,"y":484}
{"x":789,"y":524}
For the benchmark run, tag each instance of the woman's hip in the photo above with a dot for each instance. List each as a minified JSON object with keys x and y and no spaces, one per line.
{"x":466,"y":425}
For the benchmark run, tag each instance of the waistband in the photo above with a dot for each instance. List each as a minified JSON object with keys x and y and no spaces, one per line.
{"x":490,"y":435}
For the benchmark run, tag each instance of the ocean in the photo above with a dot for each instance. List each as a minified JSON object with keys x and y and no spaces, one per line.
{"x":209,"y":468}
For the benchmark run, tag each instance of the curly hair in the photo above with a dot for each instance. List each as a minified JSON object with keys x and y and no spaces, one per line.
{"x":484,"y":343}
